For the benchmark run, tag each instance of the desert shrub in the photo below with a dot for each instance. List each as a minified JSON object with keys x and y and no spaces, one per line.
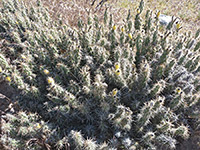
{"x":104,"y":86}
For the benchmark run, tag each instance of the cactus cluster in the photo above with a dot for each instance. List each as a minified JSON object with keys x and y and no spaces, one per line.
{"x":23,"y":130}
{"x":104,"y":85}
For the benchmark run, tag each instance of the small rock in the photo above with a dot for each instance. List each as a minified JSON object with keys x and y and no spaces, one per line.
{"x":164,"y":19}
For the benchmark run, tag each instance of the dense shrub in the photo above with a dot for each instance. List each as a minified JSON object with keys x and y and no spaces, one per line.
{"x":102,"y":86}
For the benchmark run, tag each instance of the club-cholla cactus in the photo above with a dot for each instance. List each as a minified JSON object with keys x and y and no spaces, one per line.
{"x":101,"y":85}
{"x":24,"y":130}
{"x":122,"y":118}
{"x":81,"y":143}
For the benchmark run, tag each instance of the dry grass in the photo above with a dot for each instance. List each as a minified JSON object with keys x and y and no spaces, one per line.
{"x":70,"y":10}
{"x":187,"y":10}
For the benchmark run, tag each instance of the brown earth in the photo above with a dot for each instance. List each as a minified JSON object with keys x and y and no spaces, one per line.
{"x":193,"y":143}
